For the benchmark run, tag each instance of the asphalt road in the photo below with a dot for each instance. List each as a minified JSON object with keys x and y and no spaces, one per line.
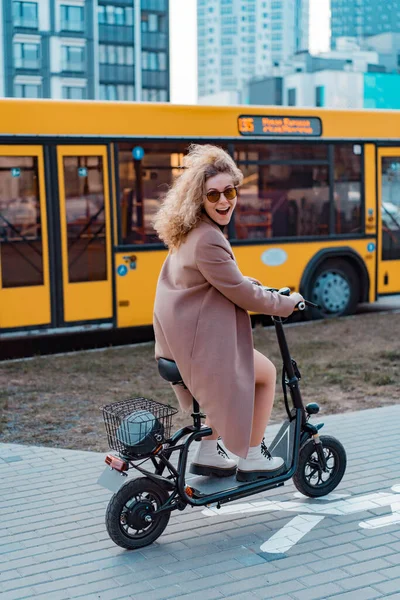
{"x":383,"y":304}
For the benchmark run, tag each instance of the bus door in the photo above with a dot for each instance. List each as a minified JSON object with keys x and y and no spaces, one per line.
{"x":389,"y":239}
{"x":24,"y":257}
{"x":85,"y":233}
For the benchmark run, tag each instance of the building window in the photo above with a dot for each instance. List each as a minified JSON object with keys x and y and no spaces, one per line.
{"x":26,"y":56}
{"x":320,"y":95}
{"x":116,"y":92}
{"x":73,"y":58}
{"x":72,"y":18}
{"x":116,"y":55}
{"x":25,"y":14}
{"x":151,"y":22}
{"x":153,"y":95}
{"x":115,"y":15}
{"x":73,"y":93}
{"x":154,"y":61}
{"x":160,"y":5}
{"x":27,"y":90}
{"x":292,"y":97}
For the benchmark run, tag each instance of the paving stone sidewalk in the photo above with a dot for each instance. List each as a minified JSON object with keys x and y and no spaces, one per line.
{"x":54,"y":545}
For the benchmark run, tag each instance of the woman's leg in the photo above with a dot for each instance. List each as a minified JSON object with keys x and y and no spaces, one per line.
{"x":210,"y":458}
{"x":265,"y":381}
{"x":214,"y":435}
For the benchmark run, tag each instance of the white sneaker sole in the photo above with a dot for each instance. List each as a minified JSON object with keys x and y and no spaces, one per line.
{"x":246,"y":476}
{"x":209,"y":471}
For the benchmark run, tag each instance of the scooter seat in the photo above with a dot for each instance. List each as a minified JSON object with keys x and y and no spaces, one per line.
{"x":169,"y":371}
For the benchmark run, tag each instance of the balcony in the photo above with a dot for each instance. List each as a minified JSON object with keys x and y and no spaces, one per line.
{"x":72,"y":67}
{"x":154,"y":41}
{"x":117,"y":2}
{"x":25,"y":23}
{"x":160,"y":5}
{"x":117,"y":74}
{"x":73,"y":26}
{"x":27,"y":63}
{"x":116,"y":33}
{"x":155,"y":79}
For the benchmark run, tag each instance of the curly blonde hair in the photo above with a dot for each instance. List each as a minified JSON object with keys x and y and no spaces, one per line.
{"x":181,"y":209}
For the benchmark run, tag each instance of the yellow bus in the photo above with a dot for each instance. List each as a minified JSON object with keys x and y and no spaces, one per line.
{"x":319,"y":208}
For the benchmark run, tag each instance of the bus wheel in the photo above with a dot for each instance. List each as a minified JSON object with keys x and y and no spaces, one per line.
{"x":335,"y":287}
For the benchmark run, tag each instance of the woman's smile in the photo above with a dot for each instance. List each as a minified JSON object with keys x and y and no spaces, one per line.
{"x":224,"y":211}
{"x":221,"y":210}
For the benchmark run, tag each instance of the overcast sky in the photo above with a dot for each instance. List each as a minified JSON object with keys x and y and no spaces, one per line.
{"x":183,"y":44}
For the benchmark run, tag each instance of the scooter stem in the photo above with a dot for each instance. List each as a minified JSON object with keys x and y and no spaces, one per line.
{"x":287,"y":359}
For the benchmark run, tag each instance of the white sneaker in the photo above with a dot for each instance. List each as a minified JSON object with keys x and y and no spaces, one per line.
{"x":211,"y":459}
{"x":259,"y":464}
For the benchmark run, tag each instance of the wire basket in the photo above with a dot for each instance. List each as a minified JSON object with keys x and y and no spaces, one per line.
{"x":137,"y":426}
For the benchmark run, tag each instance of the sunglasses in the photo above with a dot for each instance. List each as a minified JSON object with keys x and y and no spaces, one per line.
{"x":214,"y":195}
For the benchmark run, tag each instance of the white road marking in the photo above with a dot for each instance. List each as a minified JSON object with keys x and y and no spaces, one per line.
{"x":290,"y":534}
{"x":385,"y":521}
{"x":347,"y":506}
{"x":314,"y":511}
{"x":331,"y":496}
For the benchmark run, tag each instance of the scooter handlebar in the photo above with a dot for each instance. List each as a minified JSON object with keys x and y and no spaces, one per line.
{"x":285,"y":291}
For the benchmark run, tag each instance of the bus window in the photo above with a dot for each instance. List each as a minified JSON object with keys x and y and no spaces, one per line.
{"x":85,"y":218}
{"x":282,"y":200}
{"x":20,"y":224}
{"x":143,"y":183}
{"x":347,"y":188}
{"x":248,"y":152}
{"x":390,"y":208}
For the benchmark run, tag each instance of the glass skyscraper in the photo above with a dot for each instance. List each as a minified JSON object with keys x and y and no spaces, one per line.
{"x":240,"y":39}
{"x":361,"y":18}
{"x":85,"y":49}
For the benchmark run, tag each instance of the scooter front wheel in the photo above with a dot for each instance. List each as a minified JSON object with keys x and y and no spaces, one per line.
{"x":310,"y":478}
{"x":130,"y":518}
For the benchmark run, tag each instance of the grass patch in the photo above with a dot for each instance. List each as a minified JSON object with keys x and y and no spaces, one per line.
{"x":346,"y":364}
{"x":3,"y":409}
{"x":392,"y":356}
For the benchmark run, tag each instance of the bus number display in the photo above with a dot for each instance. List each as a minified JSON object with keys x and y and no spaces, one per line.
{"x":279,"y":126}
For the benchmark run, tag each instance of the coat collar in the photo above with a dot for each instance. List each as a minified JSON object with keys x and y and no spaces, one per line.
{"x":204,"y":217}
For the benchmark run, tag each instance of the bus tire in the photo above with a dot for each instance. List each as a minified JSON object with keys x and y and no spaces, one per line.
{"x":335,"y":287}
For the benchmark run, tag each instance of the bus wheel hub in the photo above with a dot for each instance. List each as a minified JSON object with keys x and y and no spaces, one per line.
{"x":332,"y":292}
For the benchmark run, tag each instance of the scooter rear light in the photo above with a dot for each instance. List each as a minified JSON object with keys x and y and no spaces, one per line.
{"x":116,"y":463}
{"x":189,"y":491}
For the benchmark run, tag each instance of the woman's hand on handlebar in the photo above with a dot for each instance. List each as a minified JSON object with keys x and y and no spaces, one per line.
{"x":297,"y":298}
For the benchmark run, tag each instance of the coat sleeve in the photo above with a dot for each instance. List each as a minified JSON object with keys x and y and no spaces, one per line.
{"x":217,"y":266}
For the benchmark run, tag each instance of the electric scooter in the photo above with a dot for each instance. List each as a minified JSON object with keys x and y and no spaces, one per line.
{"x":139,"y":430}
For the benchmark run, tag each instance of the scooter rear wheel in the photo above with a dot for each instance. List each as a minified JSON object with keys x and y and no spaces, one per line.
{"x":309,"y":478}
{"x":130,"y":518}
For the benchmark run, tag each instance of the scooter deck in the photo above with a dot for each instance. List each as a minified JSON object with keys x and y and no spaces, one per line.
{"x":281,"y":445}
{"x":212,"y":485}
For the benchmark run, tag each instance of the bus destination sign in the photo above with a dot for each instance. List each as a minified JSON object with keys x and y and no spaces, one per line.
{"x":279,"y":126}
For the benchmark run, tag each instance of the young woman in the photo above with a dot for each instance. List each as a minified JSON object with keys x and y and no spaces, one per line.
{"x":201,"y":320}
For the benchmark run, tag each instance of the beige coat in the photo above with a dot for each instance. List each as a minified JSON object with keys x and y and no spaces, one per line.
{"x":201,"y":322}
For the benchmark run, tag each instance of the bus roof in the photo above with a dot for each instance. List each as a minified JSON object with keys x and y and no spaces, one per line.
{"x":93,"y":118}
